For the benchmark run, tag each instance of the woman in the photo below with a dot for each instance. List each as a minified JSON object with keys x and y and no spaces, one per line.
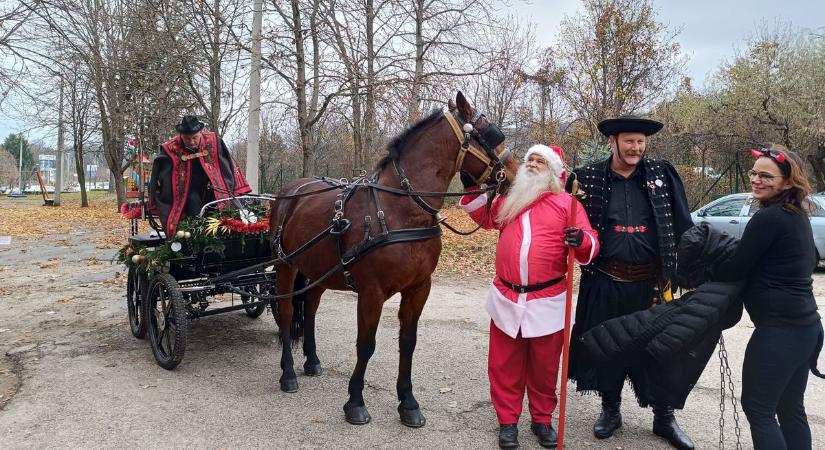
{"x":777,"y":257}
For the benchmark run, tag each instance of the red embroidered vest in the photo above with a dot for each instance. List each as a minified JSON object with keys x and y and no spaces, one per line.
{"x":182,"y":173}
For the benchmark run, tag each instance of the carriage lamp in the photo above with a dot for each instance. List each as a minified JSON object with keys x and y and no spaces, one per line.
{"x":176,"y":246}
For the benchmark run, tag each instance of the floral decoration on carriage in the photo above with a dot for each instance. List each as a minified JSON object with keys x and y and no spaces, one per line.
{"x":237,"y":225}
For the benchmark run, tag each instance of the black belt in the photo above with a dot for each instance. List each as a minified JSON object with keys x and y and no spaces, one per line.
{"x":530,"y":287}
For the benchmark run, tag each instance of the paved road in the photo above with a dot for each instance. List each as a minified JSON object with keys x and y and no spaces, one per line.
{"x":73,"y":376}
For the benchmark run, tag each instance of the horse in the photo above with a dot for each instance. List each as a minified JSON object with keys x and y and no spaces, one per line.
{"x":339,"y":238}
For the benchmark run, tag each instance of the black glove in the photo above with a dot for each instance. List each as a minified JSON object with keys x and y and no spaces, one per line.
{"x":467,"y":180}
{"x":573,"y":236}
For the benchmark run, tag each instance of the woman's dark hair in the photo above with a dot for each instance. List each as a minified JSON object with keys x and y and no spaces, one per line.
{"x":795,"y":198}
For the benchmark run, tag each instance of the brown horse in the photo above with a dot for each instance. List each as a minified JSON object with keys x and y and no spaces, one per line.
{"x":423,"y":158}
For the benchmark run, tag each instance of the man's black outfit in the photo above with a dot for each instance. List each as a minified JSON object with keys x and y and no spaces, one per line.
{"x":639,"y":219}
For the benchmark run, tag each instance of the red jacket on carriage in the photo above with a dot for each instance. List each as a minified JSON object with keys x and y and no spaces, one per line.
{"x":530,"y":251}
{"x":179,"y":187}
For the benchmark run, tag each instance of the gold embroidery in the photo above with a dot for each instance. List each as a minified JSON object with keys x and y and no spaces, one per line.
{"x":193,"y":155}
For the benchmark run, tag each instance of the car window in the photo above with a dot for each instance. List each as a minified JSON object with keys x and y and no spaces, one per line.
{"x":730,"y":207}
{"x":819,"y":212}
{"x":755,"y":206}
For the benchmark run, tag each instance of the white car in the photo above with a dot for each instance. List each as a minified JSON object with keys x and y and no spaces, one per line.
{"x":732,"y":212}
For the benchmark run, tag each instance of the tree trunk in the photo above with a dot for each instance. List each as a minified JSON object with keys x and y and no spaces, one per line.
{"x":369,"y":112}
{"x":300,"y":87}
{"x":413,"y":109}
{"x":817,"y":160}
{"x":215,"y":70}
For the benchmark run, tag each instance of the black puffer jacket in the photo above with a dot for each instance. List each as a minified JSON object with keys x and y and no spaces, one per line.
{"x":676,"y":338}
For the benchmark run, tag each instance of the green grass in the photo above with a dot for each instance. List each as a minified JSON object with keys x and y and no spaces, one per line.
{"x":65,"y":198}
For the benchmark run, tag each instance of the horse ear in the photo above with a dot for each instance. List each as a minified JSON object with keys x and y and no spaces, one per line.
{"x":464,"y":107}
{"x":450,"y":105}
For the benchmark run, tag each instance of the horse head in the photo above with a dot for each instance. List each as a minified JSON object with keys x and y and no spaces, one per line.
{"x":490,"y":161}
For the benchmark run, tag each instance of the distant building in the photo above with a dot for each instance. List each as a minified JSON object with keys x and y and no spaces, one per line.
{"x":48,"y":167}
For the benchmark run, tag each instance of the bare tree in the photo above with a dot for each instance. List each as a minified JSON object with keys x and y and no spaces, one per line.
{"x":617,"y":59}
{"x":443,"y":36}
{"x":296,"y":59}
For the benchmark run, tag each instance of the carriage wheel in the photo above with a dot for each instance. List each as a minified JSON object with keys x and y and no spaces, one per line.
{"x":135,"y":289}
{"x":167,"y":320}
{"x":254,"y":311}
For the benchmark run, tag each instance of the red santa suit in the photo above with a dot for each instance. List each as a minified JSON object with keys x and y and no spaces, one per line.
{"x":526,"y":329}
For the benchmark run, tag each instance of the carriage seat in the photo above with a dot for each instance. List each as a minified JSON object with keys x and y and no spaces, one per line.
{"x":152,"y":239}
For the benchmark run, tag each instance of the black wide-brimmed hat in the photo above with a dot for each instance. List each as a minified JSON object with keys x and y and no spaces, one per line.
{"x":189,"y":125}
{"x":629,"y":124}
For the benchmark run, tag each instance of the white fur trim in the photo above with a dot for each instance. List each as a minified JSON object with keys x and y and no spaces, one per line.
{"x":507,"y":315}
{"x":474,"y":204}
{"x":544,"y":316}
{"x":592,"y":249}
{"x":527,"y":233}
{"x":553,"y":160}
{"x":537,"y":317}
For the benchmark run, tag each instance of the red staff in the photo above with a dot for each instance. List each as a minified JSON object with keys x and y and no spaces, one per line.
{"x":571,"y":186}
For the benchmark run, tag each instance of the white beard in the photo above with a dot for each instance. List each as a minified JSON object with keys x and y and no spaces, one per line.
{"x":526,"y":188}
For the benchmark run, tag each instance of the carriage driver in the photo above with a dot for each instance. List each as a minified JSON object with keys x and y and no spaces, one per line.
{"x":191,"y":170}
{"x":526,"y":298}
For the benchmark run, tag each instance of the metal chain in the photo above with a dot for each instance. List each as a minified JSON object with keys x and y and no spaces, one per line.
{"x":725,"y":372}
{"x":722,"y":390}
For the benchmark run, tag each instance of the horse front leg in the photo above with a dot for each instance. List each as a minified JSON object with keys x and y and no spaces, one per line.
{"x":369,"y":313}
{"x":412,"y":303}
{"x":285,"y":282}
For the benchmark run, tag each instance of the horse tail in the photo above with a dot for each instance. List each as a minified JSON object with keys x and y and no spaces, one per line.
{"x":296,"y":329}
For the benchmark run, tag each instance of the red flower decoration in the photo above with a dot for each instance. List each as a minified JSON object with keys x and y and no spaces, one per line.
{"x":247,"y":228}
{"x":642,"y":228}
{"x":130,"y":211}
{"x":631,"y":229}
{"x":618,"y":228}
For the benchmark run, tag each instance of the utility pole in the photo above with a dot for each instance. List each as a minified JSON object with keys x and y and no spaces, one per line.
{"x":20,"y":173}
{"x":253,"y":131}
{"x":58,"y":165}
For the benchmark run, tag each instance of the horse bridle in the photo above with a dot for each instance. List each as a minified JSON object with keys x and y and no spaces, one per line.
{"x":489,"y":136}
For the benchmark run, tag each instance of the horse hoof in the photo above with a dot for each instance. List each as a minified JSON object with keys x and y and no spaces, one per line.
{"x":412,"y":417}
{"x":313,"y":370}
{"x":356,"y":415}
{"x":289,"y":385}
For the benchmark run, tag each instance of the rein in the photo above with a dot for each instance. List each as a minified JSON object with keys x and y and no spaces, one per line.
{"x":340,"y":225}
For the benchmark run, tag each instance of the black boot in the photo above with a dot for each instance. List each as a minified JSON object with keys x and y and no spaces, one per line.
{"x":546,"y":434}
{"x":664,"y":425}
{"x":610,"y":419}
{"x":508,"y":436}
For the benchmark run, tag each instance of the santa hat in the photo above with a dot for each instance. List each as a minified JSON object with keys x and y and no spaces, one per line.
{"x":554,"y":155}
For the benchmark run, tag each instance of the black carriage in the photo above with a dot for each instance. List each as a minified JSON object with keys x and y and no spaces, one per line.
{"x":171,"y":280}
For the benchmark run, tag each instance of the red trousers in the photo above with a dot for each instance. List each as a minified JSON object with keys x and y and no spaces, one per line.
{"x":514,"y":364}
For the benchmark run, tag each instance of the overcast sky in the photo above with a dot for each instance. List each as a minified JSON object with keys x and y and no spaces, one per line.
{"x":711,"y":29}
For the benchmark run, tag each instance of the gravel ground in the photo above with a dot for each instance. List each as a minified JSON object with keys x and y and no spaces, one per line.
{"x":72,"y":376}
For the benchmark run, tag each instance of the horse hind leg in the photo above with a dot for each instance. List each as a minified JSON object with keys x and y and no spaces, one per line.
{"x":369,"y":313}
{"x":412,"y":304}
{"x":312,"y":365}
{"x":285,"y":282}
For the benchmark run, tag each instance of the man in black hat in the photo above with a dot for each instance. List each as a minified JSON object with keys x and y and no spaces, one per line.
{"x":639,"y":208}
{"x":191,"y":170}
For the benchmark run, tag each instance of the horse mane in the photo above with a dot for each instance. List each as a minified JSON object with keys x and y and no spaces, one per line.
{"x":395,"y":146}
